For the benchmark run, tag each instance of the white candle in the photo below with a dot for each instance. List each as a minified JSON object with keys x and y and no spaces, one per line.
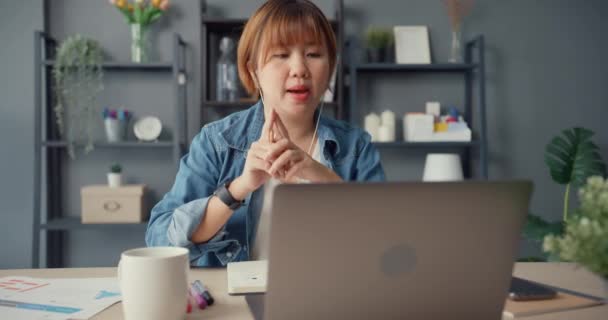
{"x":372,"y":124}
{"x":388,"y":118}
{"x":386,"y":134}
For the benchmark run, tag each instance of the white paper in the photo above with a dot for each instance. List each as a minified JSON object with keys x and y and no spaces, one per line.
{"x":53,"y":299}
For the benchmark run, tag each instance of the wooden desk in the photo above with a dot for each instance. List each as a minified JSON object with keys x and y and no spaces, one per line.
{"x":228,"y":307}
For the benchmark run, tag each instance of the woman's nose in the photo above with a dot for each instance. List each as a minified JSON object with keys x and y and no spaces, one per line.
{"x":298,"y":67}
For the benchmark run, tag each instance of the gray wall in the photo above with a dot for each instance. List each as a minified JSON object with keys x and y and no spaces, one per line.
{"x":17,"y":25}
{"x":546,"y":72}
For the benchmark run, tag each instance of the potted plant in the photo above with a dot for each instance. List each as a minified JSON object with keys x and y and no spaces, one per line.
{"x":115,"y":175}
{"x":140,"y":14}
{"x":585,"y":239}
{"x":77,"y":75}
{"x":571,"y":159}
{"x":378,"y":42}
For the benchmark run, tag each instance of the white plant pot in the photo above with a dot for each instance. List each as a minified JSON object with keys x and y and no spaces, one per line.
{"x":114,"y":180}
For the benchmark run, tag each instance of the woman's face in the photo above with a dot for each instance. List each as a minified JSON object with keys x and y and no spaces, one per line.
{"x":294,"y":78}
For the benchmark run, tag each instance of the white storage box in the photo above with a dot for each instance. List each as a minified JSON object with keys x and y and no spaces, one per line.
{"x":102,"y":204}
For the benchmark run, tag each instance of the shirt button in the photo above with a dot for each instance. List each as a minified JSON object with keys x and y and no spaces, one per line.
{"x":229,"y":254}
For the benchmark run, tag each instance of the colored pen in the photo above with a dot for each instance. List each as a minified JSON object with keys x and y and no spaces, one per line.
{"x":200,"y":301}
{"x":202,"y":290}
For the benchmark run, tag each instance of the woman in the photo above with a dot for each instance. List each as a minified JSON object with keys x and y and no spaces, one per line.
{"x":285,"y":55}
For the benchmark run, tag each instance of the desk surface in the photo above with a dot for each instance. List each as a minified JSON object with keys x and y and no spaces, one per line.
{"x":564,"y":275}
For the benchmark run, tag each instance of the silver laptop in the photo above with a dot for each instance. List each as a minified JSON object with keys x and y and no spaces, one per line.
{"x":392,"y":250}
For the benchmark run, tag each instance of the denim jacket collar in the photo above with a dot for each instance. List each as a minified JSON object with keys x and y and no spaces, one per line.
{"x":242,"y":133}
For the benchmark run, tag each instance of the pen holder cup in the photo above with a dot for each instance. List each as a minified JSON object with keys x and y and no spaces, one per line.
{"x":116,"y":130}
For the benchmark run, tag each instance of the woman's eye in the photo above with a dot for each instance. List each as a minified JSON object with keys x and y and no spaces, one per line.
{"x":314,"y":54}
{"x":281,"y":55}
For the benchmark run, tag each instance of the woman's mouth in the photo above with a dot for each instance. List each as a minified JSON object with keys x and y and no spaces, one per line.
{"x":299,"y":93}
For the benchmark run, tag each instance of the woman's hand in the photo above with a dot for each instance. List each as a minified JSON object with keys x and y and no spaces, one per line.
{"x":255,"y":172}
{"x":288,"y":161}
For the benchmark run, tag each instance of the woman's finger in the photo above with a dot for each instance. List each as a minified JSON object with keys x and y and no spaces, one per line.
{"x":259,"y":164}
{"x":258,"y":150}
{"x":283,"y":160}
{"x":277,"y":149}
{"x":268,"y":130}
{"x":281,"y":127}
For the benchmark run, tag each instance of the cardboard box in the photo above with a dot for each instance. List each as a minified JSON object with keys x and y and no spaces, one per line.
{"x":102,"y":204}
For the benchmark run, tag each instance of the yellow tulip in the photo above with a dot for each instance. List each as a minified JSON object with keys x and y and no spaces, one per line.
{"x":121,"y":3}
{"x":156,"y":3}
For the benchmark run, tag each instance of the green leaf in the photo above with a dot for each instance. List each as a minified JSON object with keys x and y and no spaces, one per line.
{"x":156,"y":15}
{"x":537,"y":228}
{"x":137,"y":13}
{"x":573,"y":157}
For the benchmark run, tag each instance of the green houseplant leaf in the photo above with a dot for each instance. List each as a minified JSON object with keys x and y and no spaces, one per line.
{"x":536,"y":228}
{"x":572,"y":158}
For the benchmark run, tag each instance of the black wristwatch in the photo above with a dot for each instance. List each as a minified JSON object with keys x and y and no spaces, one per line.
{"x":223,"y":194}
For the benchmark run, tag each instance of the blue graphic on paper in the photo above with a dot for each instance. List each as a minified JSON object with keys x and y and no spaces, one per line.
{"x":35,"y":306}
{"x":106,"y":294}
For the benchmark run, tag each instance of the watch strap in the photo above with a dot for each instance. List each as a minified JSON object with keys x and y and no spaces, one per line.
{"x":226,"y":197}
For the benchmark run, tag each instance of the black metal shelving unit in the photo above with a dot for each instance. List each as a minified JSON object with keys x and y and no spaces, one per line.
{"x":213,"y":28}
{"x":472,"y":69}
{"x":51,"y":222}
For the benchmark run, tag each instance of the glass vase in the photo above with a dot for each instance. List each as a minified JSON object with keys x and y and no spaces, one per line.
{"x":139,"y":43}
{"x":456,"y":47}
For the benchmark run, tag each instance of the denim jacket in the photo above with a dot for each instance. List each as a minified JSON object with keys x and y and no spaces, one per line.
{"x":217,"y":154}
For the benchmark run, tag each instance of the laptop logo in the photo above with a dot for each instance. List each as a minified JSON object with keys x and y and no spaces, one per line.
{"x":398,"y":260}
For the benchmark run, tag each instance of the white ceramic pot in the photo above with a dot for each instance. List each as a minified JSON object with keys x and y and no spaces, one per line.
{"x":114,"y":179}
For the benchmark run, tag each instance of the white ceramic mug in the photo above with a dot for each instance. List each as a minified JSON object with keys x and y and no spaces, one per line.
{"x":154,"y":283}
{"x":442,"y":167}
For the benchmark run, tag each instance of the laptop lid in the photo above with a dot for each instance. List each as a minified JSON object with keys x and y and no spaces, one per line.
{"x":393,"y":250}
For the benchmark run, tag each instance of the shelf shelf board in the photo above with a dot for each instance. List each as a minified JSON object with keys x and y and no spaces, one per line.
{"x":126,"y":144}
{"x":147,"y":66}
{"x":245,"y":104}
{"x":403,"y":144}
{"x":74,"y":223}
{"x":435,"y":67}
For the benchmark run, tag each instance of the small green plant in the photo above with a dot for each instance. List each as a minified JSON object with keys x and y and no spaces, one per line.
{"x":585,"y":239}
{"x":115,"y":168}
{"x":378,"y":38}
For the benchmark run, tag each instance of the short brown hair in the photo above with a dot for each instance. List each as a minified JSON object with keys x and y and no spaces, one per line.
{"x":282,"y":22}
